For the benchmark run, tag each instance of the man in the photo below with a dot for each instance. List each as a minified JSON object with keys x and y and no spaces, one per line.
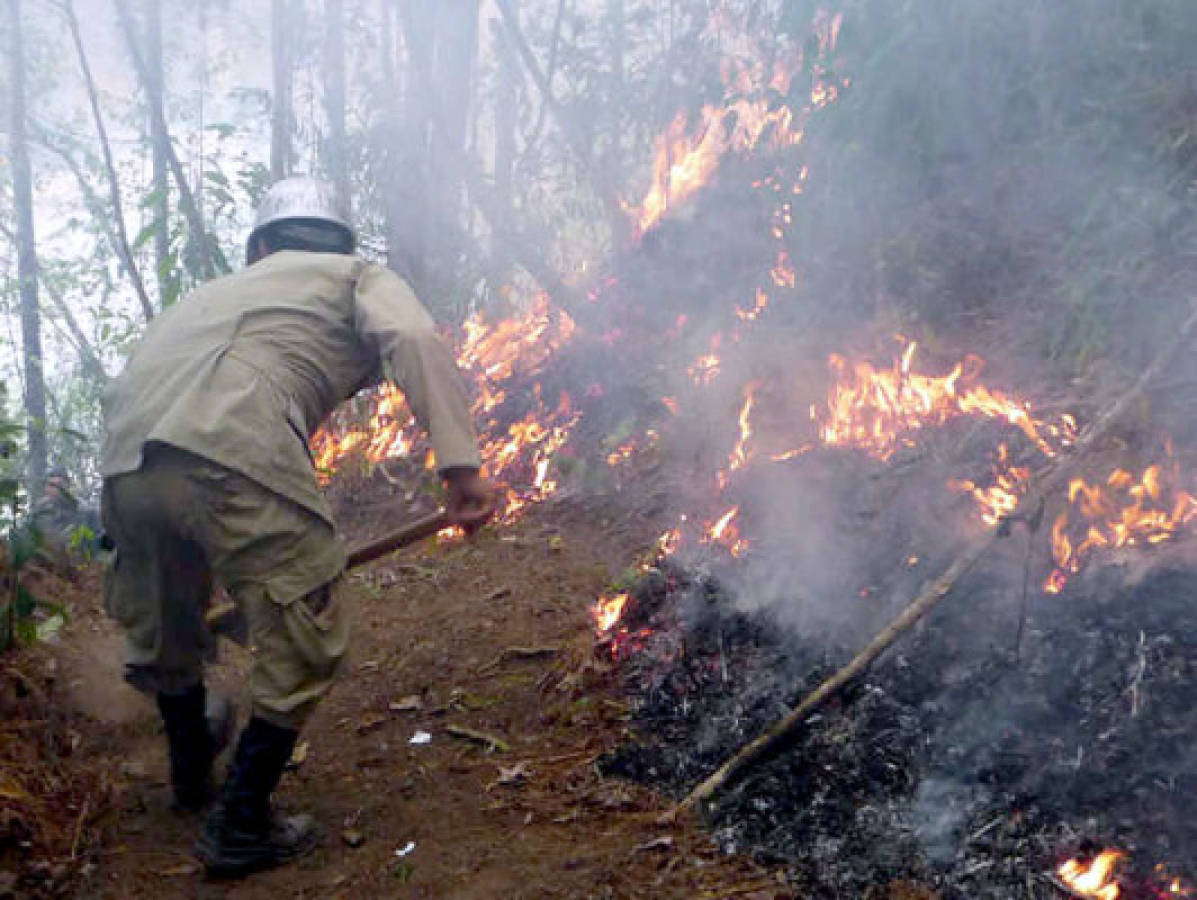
{"x":59,"y":517}
{"x":208,"y":474}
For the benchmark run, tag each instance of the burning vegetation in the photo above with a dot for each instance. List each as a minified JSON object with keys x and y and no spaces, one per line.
{"x":997,"y":751}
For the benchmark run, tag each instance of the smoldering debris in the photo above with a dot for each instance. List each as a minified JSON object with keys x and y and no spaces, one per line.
{"x":956,"y":763}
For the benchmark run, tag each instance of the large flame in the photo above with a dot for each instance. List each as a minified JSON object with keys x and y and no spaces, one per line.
{"x":519,"y":453}
{"x":880,"y":410}
{"x":753,"y":112}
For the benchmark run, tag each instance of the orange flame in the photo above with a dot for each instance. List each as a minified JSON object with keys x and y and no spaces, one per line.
{"x":1095,"y":879}
{"x":686,"y":158}
{"x":749,"y":315}
{"x":1000,"y":498}
{"x":607,"y":612}
{"x":1125,"y":511}
{"x":490,"y":355}
{"x":878,"y":410}
{"x":725,"y":532}
{"x":705,"y":369}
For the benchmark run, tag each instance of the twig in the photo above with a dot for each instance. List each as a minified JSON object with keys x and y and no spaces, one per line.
{"x":750,"y":887}
{"x":1053,"y":476}
{"x":478,"y":737}
{"x":1137,"y":680}
{"x":1024,"y":602}
{"x":518,"y":653}
{"x":79,"y":830}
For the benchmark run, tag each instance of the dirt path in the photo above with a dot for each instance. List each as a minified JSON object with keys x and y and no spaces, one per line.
{"x":439,"y":632}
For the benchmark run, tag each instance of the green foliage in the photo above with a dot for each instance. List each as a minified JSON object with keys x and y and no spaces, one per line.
{"x":25,"y":617}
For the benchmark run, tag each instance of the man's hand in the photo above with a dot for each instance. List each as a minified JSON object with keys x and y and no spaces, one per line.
{"x":471,"y":499}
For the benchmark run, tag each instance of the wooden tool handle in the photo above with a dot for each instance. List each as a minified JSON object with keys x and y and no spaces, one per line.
{"x":223,"y":617}
{"x":410,"y":534}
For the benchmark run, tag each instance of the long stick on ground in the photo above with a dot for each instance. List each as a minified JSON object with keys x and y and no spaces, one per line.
{"x":1051,"y":478}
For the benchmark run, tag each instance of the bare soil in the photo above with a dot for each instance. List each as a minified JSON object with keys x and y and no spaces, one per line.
{"x":491,"y":636}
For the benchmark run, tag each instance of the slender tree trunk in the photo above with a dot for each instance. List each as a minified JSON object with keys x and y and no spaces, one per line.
{"x":87,"y":353}
{"x":409,"y":208}
{"x":280,"y":103}
{"x":506,"y":100}
{"x":167,"y":276}
{"x":611,"y":158}
{"x":456,"y":30}
{"x":123,"y":250}
{"x":211,"y":258}
{"x":336,"y":151}
{"x":31,"y":335}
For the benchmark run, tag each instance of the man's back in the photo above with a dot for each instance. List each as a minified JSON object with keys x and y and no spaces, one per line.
{"x":242,"y":370}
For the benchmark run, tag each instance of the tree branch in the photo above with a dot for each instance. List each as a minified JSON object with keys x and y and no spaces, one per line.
{"x":123,"y":249}
{"x":212,"y":258}
{"x":580,"y":147}
{"x":91,"y":360}
{"x":534,"y":134}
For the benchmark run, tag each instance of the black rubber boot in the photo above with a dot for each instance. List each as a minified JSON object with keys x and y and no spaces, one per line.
{"x":198,"y":727}
{"x":242,"y":835}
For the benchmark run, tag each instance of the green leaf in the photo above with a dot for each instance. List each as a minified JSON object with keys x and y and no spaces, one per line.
{"x":143,"y":236}
{"x":152,"y":198}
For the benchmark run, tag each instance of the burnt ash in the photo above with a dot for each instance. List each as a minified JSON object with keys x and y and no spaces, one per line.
{"x":959,"y":762}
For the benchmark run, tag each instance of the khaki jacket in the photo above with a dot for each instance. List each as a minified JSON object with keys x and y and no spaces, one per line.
{"x":244,"y":369}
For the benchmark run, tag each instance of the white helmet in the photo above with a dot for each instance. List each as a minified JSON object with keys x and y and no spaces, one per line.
{"x":300,"y":198}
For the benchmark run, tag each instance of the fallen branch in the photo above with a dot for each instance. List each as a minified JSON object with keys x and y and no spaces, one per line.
{"x":1053,"y":476}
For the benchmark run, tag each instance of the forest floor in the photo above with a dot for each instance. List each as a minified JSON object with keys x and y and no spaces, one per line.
{"x":441,"y":641}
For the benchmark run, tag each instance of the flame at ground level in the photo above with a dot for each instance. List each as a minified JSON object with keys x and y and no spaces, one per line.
{"x":1095,"y":879}
{"x":607,"y":611}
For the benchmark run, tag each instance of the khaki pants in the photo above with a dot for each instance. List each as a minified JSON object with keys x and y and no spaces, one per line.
{"x":180,"y":521}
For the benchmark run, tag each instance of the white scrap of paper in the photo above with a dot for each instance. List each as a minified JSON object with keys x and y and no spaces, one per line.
{"x":406,"y":849}
{"x":421,"y":737}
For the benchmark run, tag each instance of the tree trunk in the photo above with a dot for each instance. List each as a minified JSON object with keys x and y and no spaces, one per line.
{"x":506,"y":102}
{"x":167,"y":276}
{"x":336,"y":151}
{"x":121,"y":245}
{"x":280,"y":103}
{"x":73,"y":333}
{"x":211,"y":260}
{"x":35,"y":387}
{"x":408,"y":207}
{"x":456,"y":30}
{"x":611,"y":158}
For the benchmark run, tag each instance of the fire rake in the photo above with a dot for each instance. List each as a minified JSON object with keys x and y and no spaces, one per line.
{"x":223,"y":617}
